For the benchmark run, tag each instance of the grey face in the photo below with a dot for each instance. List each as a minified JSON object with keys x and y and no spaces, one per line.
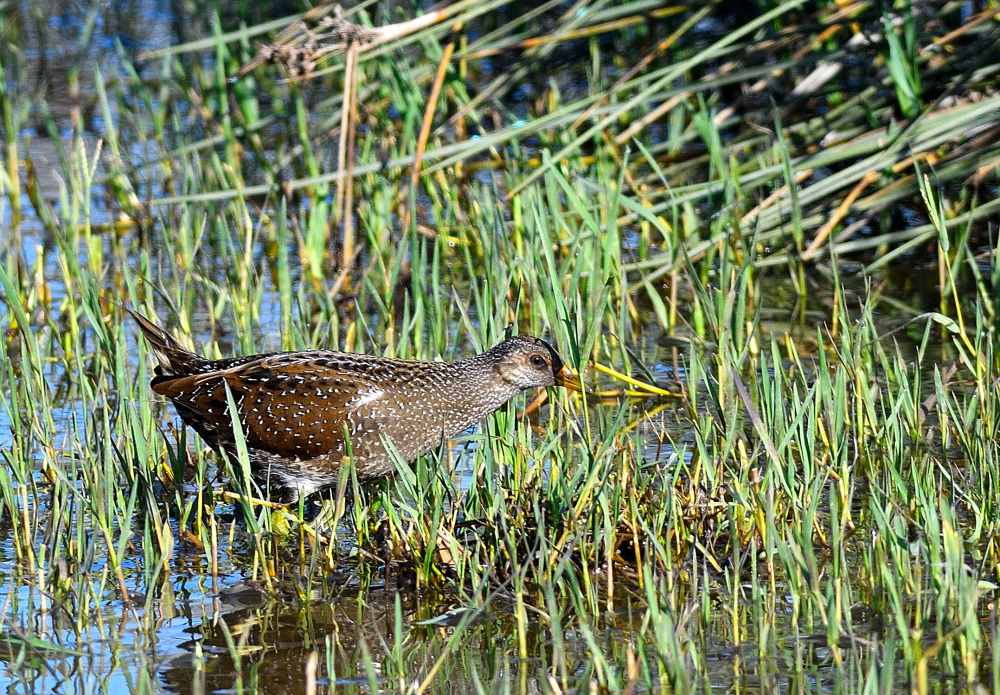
{"x":527,"y":362}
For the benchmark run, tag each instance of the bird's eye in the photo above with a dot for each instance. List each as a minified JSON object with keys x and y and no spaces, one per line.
{"x":538,"y":361}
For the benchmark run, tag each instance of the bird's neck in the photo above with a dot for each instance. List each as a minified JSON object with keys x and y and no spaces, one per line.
{"x":480,"y":388}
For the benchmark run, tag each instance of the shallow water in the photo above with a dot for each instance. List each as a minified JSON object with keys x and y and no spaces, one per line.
{"x":189,"y":631}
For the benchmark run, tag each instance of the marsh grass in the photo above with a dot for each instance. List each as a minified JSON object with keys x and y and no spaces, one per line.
{"x":819,"y":513}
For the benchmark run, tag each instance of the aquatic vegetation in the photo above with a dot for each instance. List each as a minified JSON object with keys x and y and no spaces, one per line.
{"x":766,"y":241}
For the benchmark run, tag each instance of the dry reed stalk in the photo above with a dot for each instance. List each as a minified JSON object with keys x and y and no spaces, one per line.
{"x":345,"y":157}
{"x":425,"y":126}
{"x":298,"y":50}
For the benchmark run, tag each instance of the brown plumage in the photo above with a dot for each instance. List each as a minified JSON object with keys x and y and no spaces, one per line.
{"x":302,"y":411}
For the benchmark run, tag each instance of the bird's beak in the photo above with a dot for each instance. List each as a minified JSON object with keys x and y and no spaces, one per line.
{"x":568,"y":380}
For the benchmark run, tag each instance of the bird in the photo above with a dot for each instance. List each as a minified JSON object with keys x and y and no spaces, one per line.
{"x":305,"y":414}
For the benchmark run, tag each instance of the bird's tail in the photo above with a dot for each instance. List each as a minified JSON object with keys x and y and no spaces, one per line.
{"x":173,"y":359}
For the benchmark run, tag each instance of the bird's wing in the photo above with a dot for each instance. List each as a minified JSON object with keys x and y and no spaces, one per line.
{"x":295,"y":407}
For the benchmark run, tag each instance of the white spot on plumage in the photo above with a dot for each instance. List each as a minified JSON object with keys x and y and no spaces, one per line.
{"x":367,"y":397}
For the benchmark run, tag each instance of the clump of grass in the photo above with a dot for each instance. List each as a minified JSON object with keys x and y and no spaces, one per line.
{"x":819,"y":500}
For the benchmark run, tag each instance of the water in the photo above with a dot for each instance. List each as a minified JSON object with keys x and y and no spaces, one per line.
{"x":202,"y":629}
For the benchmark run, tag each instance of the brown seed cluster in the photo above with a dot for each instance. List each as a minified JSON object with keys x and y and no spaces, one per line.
{"x":299,"y":55}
